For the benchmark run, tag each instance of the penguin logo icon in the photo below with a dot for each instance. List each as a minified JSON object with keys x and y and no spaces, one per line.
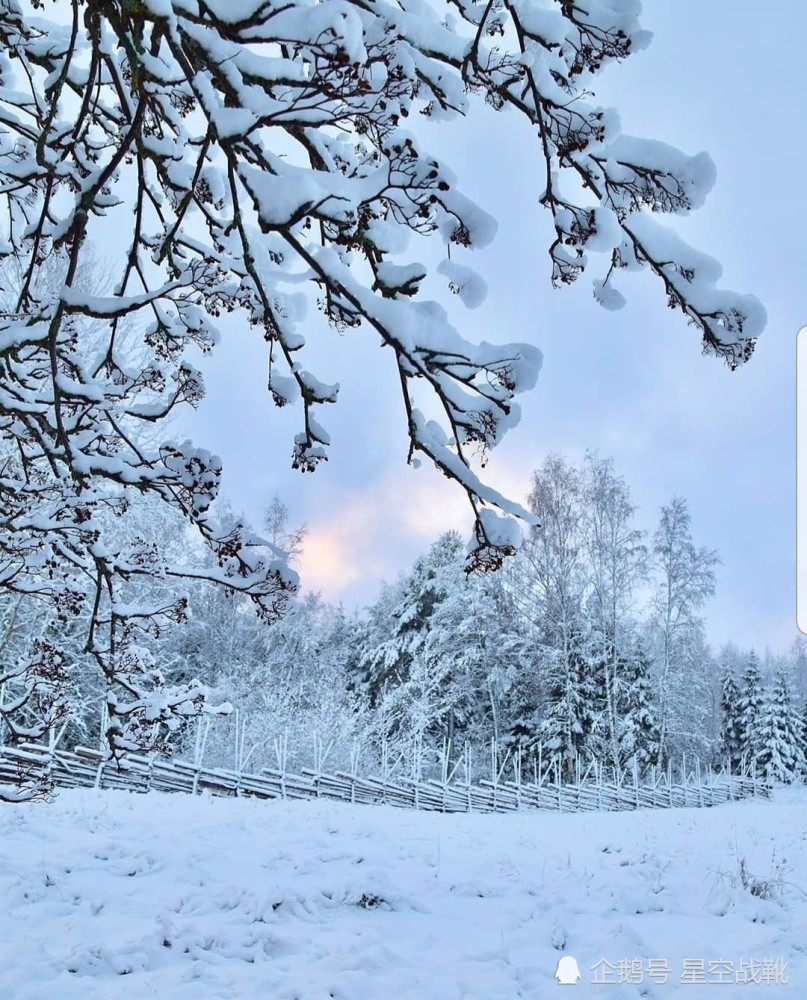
{"x":568,"y":971}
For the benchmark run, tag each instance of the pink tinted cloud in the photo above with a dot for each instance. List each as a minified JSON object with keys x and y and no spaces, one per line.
{"x":373,"y":533}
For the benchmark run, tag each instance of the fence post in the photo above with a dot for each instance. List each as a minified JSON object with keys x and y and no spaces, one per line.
{"x":355,"y":753}
{"x":417,"y":761}
{"x":468,"y":774}
{"x":104,"y":723}
{"x":669,"y":781}
{"x":579,"y":783}
{"x":684,"y":782}
{"x":598,"y":776}
{"x":319,"y":761}
{"x":199,"y":750}
{"x":517,"y":770}
{"x":281,"y":756}
{"x":494,"y":775}
{"x":445,"y":770}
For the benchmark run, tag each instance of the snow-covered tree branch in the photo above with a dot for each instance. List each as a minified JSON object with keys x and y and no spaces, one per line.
{"x":252,"y":156}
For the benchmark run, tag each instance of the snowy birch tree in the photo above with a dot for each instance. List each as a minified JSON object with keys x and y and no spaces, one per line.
{"x":289,"y":681}
{"x":685,"y":579}
{"x":617,"y":558}
{"x":279,"y":531}
{"x":551,"y":580}
{"x":550,"y":576}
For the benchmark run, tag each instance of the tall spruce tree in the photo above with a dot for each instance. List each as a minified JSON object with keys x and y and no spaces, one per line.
{"x":781,"y":748}
{"x":640,"y":727}
{"x":730,"y":748}
{"x":567,"y":727}
{"x":750,"y":706}
{"x":524,"y":711}
{"x":438,"y":653}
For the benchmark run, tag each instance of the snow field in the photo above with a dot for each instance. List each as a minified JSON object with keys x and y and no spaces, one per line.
{"x":113,"y":894}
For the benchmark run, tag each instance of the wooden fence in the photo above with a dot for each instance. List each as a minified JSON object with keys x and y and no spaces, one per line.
{"x":591,"y":790}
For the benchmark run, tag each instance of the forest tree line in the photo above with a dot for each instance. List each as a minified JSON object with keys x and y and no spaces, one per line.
{"x":590,"y":643}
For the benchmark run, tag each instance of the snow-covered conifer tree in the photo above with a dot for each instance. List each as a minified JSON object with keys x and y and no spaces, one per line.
{"x":407,"y":686}
{"x":731,"y":743}
{"x":572,"y":707}
{"x":640,"y":730}
{"x":750,"y":708}
{"x":781,"y":747}
{"x":524,"y":710}
{"x":398,"y":622}
{"x":439,"y":652}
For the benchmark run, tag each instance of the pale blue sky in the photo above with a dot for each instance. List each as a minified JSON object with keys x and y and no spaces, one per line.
{"x":632,"y":384}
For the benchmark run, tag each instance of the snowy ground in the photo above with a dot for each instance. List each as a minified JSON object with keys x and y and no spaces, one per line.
{"x":111,"y":894}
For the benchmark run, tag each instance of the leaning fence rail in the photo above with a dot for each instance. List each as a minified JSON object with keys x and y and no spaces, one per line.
{"x":590,"y":790}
